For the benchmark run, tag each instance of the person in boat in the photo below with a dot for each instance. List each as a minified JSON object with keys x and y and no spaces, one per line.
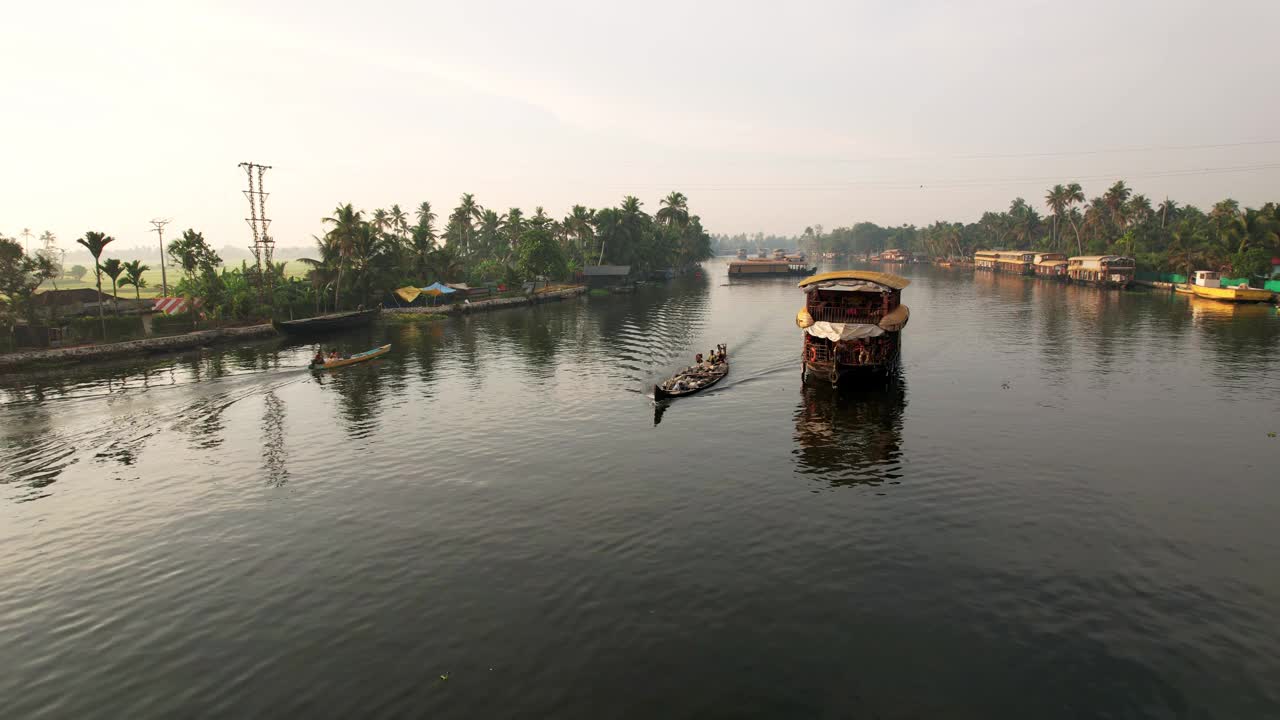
{"x":697,"y":359}
{"x":319,"y":358}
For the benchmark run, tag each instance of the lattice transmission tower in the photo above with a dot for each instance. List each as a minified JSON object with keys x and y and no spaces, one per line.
{"x":263,"y":246}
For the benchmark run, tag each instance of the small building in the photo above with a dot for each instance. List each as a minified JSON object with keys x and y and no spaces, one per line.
{"x":604,"y":276}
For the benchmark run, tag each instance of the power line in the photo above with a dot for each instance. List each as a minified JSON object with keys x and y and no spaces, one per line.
{"x":1106,"y":151}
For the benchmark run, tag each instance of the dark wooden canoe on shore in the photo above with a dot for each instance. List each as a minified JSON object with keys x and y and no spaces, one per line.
{"x":327,"y":323}
{"x":694,"y":384}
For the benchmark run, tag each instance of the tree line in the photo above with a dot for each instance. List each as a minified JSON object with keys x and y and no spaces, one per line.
{"x":1164,"y":236}
{"x":361,"y":257}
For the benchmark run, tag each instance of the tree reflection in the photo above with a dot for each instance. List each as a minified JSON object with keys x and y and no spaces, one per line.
{"x":851,"y":437}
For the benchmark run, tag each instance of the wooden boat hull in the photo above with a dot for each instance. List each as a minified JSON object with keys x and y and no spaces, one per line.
{"x":327,"y":323}
{"x":660,"y":394}
{"x":1230,"y":294}
{"x":352,"y":360}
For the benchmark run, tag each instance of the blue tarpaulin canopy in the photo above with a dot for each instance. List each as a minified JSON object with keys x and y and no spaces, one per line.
{"x":437,"y":288}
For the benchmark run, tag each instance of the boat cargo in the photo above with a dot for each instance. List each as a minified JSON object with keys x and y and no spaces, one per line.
{"x":1102,"y":270}
{"x":852,"y":320}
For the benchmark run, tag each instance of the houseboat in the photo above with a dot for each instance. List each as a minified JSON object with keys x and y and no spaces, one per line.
{"x":985,"y":259}
{"x":1014,"y":262}
{"x":1050,"y":266}
{"x":779,"y":254}
{"x":1207,"y":284}
{"x":851,"y":322}
{"x":768,"y":268}
{"x":742,"y":253}
{"x":1103,"y":270}
{"x":894,"y":256}
{"x":828,"y":256}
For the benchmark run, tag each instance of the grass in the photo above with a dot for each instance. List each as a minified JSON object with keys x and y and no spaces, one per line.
{"x":292,"y":268}
{"x":409,"y":318}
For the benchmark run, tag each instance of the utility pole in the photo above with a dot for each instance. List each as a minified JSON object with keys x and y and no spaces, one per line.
{"x":263,"y":246}
{"x":158,"y":224}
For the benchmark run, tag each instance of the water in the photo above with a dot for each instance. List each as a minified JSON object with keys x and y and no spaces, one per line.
{"x":1065,"y":507}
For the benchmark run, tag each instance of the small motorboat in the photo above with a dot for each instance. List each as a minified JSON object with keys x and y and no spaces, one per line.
{"x":352,"y":359}
{"x":327,"y":323}
{"x":692,"y":379}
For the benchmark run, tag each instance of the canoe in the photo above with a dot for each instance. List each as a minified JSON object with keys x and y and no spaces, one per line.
{"x":714,"y":376}
{"x":1232,"y":294}
{"x":327,"y":323}
{"x":353,"y":359}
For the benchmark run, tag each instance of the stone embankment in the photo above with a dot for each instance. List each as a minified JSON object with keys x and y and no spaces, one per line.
{"x":494,"y":304}
{"x":145,"y":346}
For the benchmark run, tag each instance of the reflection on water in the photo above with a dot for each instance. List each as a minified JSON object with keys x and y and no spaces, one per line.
{"x":851,"y":436}
{"x":498,"y":499}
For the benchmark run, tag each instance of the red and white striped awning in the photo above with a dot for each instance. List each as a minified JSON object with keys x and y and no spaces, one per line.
{"x":173,"y":305}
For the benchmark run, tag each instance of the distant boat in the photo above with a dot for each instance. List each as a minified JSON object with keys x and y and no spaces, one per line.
{"x":352,"y":359}
{"x":327,"y":323}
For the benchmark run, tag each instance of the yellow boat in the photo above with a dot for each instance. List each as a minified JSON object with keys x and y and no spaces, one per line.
{"x":353,"y":359}
{"x":1232,"y":294}
{"x":1207,"y":284}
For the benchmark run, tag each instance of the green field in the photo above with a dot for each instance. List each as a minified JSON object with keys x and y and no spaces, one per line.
{"x":292,"y":268}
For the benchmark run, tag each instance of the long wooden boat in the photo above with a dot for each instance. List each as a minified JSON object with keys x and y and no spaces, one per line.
{"x":688,"y":382}
{"x":326,"y":323}
{"x":353,"y":359}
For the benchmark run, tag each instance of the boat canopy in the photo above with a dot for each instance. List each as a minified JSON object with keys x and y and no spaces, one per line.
{"x":835,"y":332}
{"x":887,"y":280}
{"x":408,"y":293}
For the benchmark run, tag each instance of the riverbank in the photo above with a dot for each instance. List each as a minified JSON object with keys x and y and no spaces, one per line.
{"x":144,"y":346}
{"x":188,"y":341}
{"x":494,"y":304}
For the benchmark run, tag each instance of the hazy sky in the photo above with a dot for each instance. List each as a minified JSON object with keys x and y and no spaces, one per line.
{"x":769,"y":116}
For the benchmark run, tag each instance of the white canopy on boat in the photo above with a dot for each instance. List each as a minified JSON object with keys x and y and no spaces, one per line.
{"x":835,"y":332}
{"x":846,"y":286}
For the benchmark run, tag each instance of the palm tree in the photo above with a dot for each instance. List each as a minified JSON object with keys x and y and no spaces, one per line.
{"x":399,"y":222}
{"x":578,"y":225}
{"x":461,"y":221}
{"x":95,"y":243}
{"x":112,"y":268}
{"x":512,"y":227}
{"x":381,"y":220}
{"x":346,"y":223}
{"x":1168,"y":212}
{"x":324,"y":272}
{"x":1074,"y":196}
{"x":1056,"y":200}
{"x":674,"y":211}
{"x":1115,"y":199}
{"x":133,"y":271}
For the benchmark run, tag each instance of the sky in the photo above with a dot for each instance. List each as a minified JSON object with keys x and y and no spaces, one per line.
{"x":769,"y":116}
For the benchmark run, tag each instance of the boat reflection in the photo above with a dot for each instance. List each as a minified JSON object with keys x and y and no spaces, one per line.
{"x":851,"y":437}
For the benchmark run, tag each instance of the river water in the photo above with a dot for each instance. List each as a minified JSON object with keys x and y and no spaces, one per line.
{"x":1064,"y":507}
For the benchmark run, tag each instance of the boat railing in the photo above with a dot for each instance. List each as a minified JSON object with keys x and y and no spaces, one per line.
{"x":839,"y":314}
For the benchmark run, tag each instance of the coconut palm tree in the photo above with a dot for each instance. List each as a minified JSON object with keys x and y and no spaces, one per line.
{"x":111,"y":267}
{"x":346,"y":223}
{"x":133,"y":271}
{"x":1056,"y":201}
{"x":578,"y":226}
{"x":95,"y":243}
{"x":399,"y":222}
{"x":1075,"y":196}
{"x":674,"y":210}
{"x":1115,"y":199}
{"x":1168,"y":212}
{"x":324,"y":271}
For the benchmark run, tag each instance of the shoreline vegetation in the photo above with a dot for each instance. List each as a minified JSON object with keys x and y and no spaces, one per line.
{"x":359,"y":260}
{"x":1163,"y":237}
{"x":69,"y":356}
